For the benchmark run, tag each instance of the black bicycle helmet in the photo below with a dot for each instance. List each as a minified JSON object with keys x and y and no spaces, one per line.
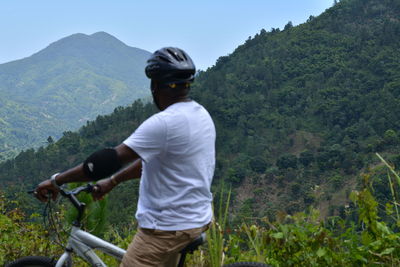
{"x":170,"y":65}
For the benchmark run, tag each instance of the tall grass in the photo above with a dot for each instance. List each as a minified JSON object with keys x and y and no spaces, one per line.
{"x":215,"y":236}
{"x":391,"y":184}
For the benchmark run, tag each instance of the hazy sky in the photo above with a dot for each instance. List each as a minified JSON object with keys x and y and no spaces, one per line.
{"x":206,"y":29}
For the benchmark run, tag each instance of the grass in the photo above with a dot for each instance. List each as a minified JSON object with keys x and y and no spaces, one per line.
{"x":215,"y":237}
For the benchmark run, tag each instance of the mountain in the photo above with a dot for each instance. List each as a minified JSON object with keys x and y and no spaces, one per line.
{"x":299,"y":112}
{"x":66,"y":84}
{"x":302,"y":111}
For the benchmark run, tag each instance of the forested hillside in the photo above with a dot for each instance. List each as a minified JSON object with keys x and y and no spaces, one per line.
{"x":307,"y":106}
{"x":64,"y":85}
{"x":299,"y":111}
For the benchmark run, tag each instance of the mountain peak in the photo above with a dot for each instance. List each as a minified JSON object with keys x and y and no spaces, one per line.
{"x":84,"y":74}
{"x":102,"y":34}
{"x":80,"y":44}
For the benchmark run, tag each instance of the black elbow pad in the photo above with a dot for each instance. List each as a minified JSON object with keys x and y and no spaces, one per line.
{"x":102,"y":164}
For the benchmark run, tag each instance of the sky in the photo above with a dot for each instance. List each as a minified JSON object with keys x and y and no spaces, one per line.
{"x":206,"y":29}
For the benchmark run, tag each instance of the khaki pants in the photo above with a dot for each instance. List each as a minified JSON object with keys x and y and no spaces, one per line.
{"x":151,"y":248}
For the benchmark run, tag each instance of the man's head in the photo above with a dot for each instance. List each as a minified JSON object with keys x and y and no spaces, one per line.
{"x":171,"y":71}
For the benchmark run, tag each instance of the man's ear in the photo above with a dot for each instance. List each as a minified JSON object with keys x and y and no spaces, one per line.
{"x":153,"y":86}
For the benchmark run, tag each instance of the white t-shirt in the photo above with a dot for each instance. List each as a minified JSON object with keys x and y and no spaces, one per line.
{"x":177,"y":147}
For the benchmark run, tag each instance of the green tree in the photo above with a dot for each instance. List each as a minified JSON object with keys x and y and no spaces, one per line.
{"x":286,"y":161}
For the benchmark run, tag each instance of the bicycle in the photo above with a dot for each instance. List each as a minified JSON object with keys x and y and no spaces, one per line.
{"x":83,"y":243}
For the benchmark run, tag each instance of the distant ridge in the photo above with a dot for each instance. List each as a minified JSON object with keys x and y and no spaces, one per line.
{"x":62,"y":86}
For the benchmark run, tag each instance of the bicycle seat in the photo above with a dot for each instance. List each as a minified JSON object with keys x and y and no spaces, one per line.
{"x":191,"y":247}
{"x":194,"y":244}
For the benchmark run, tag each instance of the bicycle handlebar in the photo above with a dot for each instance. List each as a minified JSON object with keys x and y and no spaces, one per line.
{"x":84,"y":188}
{"x":71,"y":195}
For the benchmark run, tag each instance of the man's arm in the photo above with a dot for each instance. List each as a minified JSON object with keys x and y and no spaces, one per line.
{"x":77,"y":174}
{"x":104,"y":186}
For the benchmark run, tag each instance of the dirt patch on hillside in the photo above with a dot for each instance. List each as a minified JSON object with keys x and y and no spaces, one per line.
{"x":250,"y":190}
{"x":338,"y":199}
{"x":302,"y":140}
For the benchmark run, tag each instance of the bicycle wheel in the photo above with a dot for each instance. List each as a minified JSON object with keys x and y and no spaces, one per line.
{"x":247,"y":264}
{"x":32,"y":261}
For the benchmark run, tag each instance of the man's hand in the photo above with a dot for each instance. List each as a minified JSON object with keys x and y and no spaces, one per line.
{"x":101,"y":188}
{"x":43,"y":190}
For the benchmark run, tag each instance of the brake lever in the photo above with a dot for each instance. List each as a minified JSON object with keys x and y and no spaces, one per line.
{"x":33,"y":191}
{"x":87,"y":188}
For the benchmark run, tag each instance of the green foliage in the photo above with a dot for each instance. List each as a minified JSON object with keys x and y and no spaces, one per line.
{"x":215,"y":237}
{"x":336,"y":182}
{"x":390,"y":137}
{"x":94,"y":219}
{"x":258,"y":164}
{"x":306,"y":158}
{"x":394,"y":179}
{"x":302,"y":239}
{"x":287,"y":161}
{"x":18,"y":238}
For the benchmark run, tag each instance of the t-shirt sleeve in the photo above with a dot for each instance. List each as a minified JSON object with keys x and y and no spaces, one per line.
{"x":148,"y":140}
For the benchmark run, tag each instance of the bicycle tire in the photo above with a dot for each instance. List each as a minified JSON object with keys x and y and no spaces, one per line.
{"x":247,"y":264}
{"x":32,"y":261}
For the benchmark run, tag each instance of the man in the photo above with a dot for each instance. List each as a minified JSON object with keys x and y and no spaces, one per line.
{"x":173,"y":152}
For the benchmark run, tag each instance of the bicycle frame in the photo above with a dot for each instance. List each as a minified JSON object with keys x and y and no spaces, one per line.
{"x":83,"y":243}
